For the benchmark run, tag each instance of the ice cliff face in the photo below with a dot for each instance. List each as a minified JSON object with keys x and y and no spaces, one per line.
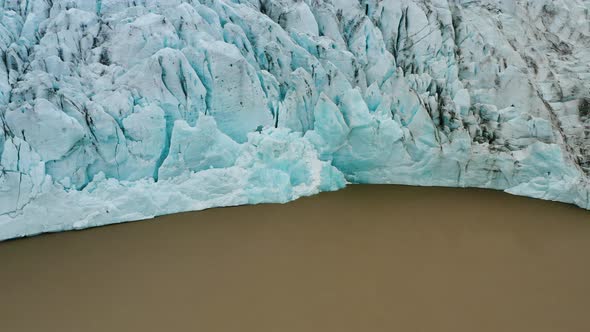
{"x":118,"y":110}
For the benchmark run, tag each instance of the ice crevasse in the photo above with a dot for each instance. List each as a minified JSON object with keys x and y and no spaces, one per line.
{"x":120,"y":110}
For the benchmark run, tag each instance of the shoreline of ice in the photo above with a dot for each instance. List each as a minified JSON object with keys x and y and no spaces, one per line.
{"x":116,"y":110}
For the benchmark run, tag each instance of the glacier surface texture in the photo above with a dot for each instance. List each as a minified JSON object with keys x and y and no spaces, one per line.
{"x":120,"y":110}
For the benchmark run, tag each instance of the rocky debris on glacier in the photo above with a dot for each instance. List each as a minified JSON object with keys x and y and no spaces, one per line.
{"x":119,"y":110}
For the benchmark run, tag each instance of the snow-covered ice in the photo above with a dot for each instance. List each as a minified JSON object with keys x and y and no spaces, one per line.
{"x":120,"y":110}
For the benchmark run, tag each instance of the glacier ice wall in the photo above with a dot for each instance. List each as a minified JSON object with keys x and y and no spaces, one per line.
{"x":119,"y":110}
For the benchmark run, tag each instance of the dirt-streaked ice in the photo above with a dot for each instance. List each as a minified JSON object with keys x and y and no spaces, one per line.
{"x":120,"y":110}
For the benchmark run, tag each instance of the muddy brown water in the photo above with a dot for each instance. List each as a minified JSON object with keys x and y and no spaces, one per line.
{"x":368,"y":258}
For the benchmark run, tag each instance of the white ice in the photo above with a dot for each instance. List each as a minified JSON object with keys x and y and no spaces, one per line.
{"x":120,"y":110}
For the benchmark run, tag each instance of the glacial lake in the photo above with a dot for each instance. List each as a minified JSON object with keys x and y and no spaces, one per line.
{"x":364,"y":259}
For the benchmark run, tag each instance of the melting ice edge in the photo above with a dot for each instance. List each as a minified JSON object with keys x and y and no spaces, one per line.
{"x":120,"y":110}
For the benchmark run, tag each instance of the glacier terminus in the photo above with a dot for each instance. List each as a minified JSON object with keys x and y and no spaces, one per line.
{"x":121,"y":110}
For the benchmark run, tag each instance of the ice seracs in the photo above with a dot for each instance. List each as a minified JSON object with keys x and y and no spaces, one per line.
{"x":113,"y":111}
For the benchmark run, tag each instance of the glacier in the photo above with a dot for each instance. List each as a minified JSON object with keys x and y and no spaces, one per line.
{"x":122,"y":110}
